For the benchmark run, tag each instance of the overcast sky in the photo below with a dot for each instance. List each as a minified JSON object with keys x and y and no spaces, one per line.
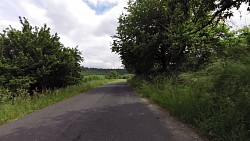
{"x":86,"y":23}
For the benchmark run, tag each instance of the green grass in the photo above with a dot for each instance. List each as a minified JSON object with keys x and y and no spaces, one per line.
{"x":99,"y":71}
{"x":102,"y":77}
{"x":21,"y":106}
{"x":93,"y":77}
{"x":216,"y":100}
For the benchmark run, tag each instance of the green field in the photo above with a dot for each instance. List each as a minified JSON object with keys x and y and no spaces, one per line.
{"x":99,"y":71}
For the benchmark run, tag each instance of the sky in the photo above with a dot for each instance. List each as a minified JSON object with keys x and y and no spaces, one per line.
{"x":241,"y":17}
{"x":88,"y":24}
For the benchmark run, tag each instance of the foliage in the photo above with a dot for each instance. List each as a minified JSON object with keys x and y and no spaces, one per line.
{"x":177,"y":36}
{"x":11,"y":110}
{"x":93,"y":77}
{"x":215,"y":99}
{"x":161,"y":36}
{"x":112,"y":75}
{"x":218,"y":10}
{"x":126,"y":76}
{"x":100,"y":71}
{"x":34,"y":59}
{"x":144,"y":36}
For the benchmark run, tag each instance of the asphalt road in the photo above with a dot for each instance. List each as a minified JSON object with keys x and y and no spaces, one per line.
{"x":108,"y":113}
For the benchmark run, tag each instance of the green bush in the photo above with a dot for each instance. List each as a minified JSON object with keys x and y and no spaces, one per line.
{"x":126,"y":76}
{"x":216,"y":99}
{"x":112,"y":75}
{"x":93,"y":77}
{"x":34,"y":59}
{"x":4,"y":95}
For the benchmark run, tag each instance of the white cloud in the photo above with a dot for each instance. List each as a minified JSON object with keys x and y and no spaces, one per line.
{"x":241,"y":17}
{"x":6,"y":23}
{"x":102,"y":2}
{"x":29,"y":9}
{"x":75,"y":22}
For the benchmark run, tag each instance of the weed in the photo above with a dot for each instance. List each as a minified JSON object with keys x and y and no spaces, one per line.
{"x":20,"y":106}
{"x":216,"y":99}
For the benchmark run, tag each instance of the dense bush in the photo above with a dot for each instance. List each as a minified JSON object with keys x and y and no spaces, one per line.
{"x":112,"y":75}
{"x":93,"y":77}
{"x":216,"y":99}
{"x":126,"y":76}
{"x":34,"y":59}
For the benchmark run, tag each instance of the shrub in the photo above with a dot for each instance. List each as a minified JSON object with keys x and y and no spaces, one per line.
{"x":112,"y":75}
{"x":126,"y":76}
{"x":93,"y":77}
{"x":34,"y":59}
{"x":216,"y":99}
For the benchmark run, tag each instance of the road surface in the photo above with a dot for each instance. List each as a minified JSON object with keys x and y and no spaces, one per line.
{"x":108,"y":113}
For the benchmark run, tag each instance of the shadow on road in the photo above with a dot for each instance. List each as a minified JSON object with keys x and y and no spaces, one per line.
{"x":117,"y":116}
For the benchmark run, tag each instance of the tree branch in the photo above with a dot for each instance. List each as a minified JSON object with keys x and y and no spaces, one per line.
{"x":216,"y":14}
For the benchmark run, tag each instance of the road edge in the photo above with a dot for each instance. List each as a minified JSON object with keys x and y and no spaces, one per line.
{"x":179,"y":130}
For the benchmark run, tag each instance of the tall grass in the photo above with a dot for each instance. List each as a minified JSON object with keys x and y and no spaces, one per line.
{"x":21,"y":106}
{"x":216,"y":100}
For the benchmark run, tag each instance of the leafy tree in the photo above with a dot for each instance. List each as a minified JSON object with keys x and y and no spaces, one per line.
{"x":145,"y":35}
{"x":161,"y":36}
{"x":34,"y":59}
{"x":238,"y":46}
{"x":218,"y":10}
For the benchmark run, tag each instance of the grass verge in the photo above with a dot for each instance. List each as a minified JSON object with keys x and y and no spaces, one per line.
{"x":216,"y":100}
{"x":14,"y":109}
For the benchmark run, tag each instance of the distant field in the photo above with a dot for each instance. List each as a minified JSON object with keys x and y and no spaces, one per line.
{"x":97,"y":71}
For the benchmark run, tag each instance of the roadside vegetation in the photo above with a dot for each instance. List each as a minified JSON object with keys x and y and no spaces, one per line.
{"x":109,"y":75}
{"x":20,"y":106}
{"x":215,"y":100}
{"x":33,"y":60}
{"x":101,"y":71}
{"x":37,"y":70}
{"x":186,"y":59}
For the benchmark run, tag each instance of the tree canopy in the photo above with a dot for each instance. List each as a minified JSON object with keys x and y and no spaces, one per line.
{"x":218,"y":10}
{"x":168,"y":36}
{"x":34,"y":59}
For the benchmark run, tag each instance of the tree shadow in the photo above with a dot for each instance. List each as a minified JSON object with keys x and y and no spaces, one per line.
{"x":127,"y":120}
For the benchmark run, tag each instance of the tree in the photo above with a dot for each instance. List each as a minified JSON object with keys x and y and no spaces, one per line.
{"x":34,"y":59}
{"x":237,"y":46}
{"x":155,"y":36}
{"x":218,"y":10}
{"x":145,"y":34}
